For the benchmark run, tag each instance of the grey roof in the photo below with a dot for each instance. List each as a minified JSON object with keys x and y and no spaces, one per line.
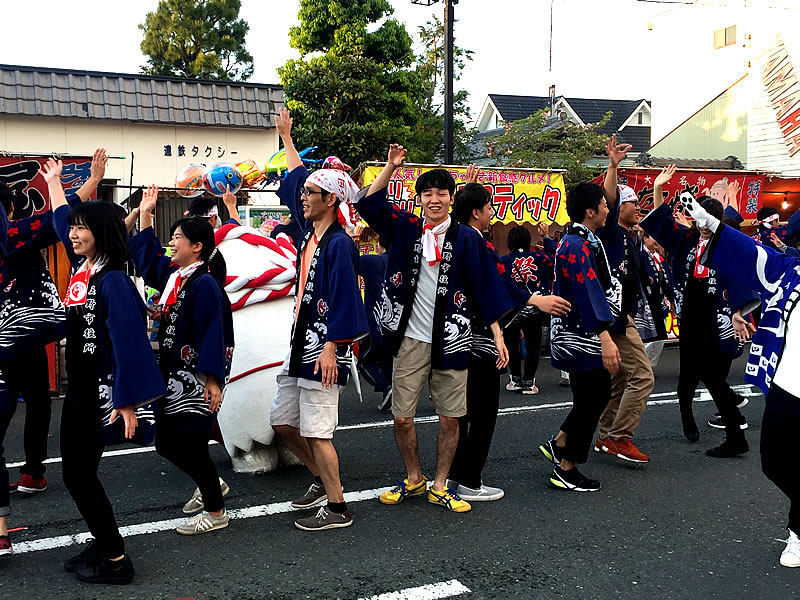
{"x":34,"y":91}
{"x":728,"y":163}
{"x":514,"y":108}
{"x":637,"y":136}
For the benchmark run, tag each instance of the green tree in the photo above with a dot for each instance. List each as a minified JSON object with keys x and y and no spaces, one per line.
{"x":428,"y":136}
{"x":538,"y":141}
{"x":197,"y":39}
{"x":356,"y":97}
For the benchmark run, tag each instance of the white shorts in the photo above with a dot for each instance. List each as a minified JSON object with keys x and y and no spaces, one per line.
{"x":305,"y":405}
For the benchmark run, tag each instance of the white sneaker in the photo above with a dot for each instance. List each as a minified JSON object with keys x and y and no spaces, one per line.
{"x":195,"y":503}
{"x":514,"y":384}
{"x":203,"y":523}
{"x":790,"y":557}
{"x":482,"y":494}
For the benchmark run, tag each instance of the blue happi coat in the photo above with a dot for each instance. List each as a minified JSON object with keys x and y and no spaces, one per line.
{"x":776,"y":277}
{"x":109,"y":358}
{"x":330,"y":306}
{"x":195,"y":335}
{"x":784,"y":232}
{"x":531,"y":269}
{"x":468,"y":282}
{"x":681,"y":242}
{"x":583,"y":279}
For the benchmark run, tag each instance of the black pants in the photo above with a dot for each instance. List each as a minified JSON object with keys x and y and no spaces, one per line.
{"x":780,"y":446}
{"x":28,"y":377}
{"x":476,"y":428}
{"x":531,"y":328}
{"x":703,"y":361}
{"x":188,"y":450}
{"x":591,"y":391}
{"x":81,"y":450}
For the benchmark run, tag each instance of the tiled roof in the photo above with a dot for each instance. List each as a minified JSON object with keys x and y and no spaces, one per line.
{"x":637,"y":136}
{"x":592,"y":110}
{"x":731,"y":162}
{"x":34,"y":91}
{"x":514,"y":108}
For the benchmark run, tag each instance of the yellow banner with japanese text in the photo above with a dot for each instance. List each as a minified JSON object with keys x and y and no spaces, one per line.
{"x":518,"y":195}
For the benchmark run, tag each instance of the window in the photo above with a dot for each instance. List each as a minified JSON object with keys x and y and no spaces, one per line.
{"x":725,"y":37}
{"x":640,"y":116}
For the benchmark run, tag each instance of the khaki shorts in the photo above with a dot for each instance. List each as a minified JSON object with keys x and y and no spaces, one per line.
{"x":305,"y":405}
{"x":412,"y":367}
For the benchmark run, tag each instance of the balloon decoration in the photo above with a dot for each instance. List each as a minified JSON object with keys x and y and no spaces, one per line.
{"x":221,"y":175}
{"x":252,"y":175}
{"x":189,"y":182}
{"x":277,"y":164}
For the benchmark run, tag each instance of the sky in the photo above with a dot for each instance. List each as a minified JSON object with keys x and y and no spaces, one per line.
{"x":601,"y":49}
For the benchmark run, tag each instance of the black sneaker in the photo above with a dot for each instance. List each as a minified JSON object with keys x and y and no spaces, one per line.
{"x":325,"y":519}
{"x":313,"y":496}
{"x":573,"y":480}
{"x":91,"y":552}
{"x":716,"y":422}
{"x":729,"y":449}
{"x":563,"y":382}
{"x":551,"y":451}
{"x":103,"y":570}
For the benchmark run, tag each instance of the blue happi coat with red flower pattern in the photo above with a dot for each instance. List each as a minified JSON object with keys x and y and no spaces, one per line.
{"x":583,"y":279}
{"x":469,"y":284}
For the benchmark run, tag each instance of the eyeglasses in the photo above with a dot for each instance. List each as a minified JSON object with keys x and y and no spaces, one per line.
{"x":307,"y":192}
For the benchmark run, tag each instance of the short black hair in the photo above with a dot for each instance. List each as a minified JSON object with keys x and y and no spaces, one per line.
{"x":519,"y":238}
{"x":6,"y":198}
{"x":201,"y":206}
{"x":200,"y":231}
{"x":472,"y":196}
{"x":581,"y":198}
{"x":765,"y":211}
{"x":110,"y":237}
{"x":712,"y":206}
{"x":435,"y":178}
{"x":731,"y":222}
{"x":385,"y":242}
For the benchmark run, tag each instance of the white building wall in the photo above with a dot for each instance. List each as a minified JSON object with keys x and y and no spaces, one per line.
{"x":142,"y":144}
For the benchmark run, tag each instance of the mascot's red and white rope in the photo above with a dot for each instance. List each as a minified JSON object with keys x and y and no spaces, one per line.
{"x":275,"y":282}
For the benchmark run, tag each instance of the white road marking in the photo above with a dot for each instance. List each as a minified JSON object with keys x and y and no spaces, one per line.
{"x":432,"y":591}
{"x":248,"y":512}
{"x":744,"y":390}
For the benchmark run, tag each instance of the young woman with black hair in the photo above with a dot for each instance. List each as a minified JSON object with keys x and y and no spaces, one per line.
{"x":196,"y":342}
{"x":110,"y":367}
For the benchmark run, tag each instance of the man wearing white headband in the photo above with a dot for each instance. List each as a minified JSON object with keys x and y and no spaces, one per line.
{"x":769,"y":224}
{"x":329,"y":316}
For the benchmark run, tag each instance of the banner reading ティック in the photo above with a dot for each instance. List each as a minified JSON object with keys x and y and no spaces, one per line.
{"x":518,"y":195}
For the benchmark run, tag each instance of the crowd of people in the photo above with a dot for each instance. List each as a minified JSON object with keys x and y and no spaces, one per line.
{"x":440,"y":309}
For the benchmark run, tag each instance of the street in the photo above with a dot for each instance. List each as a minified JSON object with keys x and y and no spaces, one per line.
{"x":683,"y":526}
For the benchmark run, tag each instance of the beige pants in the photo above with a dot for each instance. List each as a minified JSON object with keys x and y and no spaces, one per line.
{"x":630,"y":387}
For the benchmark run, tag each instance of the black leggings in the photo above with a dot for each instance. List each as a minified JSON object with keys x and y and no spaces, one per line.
{"x":188,"y":450}
{"x":780,"y":446}
{"x":476,"y":428}
{"x":81,"y":450}
{"x":531,"y":328}
{"x":591,"y":391}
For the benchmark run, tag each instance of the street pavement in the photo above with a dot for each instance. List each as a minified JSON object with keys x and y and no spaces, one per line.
{"x":683,"y":526}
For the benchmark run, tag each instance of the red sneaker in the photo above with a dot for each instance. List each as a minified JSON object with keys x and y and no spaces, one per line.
{"x":598,"y":445}
{"x":29,"y":485}
{"x":12,"y":486}
{"x":610,"y":447}
{"x":627,"y":451}
{"x":5,"y":545}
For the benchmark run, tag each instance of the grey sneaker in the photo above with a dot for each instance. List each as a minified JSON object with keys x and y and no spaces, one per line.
{"x":203,"y":523}
{"x":313,"y":496}
{"x":195,"y":503}
{"x":325,"y":519}
{"x":481,"y":494}
{"x":529,"y":387}
{"x":514,"y":384}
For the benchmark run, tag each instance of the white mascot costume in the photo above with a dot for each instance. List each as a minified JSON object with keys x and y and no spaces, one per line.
{"x":260,"y":285}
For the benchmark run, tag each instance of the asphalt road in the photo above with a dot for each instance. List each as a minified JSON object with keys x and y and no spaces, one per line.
{"x":683,"y":526}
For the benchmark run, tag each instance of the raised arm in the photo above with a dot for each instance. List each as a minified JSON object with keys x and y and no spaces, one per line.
{"x":51,"y":172}
{"x":146,"y":249}
{"x":229,"y":200}
{"x":147,"y":207}
{"x":658,"y":185}
{"x":283,"y":123}
{"x":396,"y":158}
{"x":96,"y":173}
{"x":616,"y":154}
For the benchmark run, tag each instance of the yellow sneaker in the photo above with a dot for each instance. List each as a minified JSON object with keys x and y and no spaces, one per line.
{"x":403,"y":490}
{"x":449,"y":499}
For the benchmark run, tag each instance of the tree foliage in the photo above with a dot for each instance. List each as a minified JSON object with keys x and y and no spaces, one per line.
{"x":197,"y":39}
{"x":541,"y":142}
{"x":356,"y":97}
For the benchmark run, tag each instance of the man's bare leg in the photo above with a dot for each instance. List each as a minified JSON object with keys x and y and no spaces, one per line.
{"x":445,"y":450}
{"x":406,"y":437}
{"x":327,"y":461}
{"x":298,"y":445}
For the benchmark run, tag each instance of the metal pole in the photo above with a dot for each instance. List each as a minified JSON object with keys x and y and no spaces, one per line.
{"x":448,"y":93}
